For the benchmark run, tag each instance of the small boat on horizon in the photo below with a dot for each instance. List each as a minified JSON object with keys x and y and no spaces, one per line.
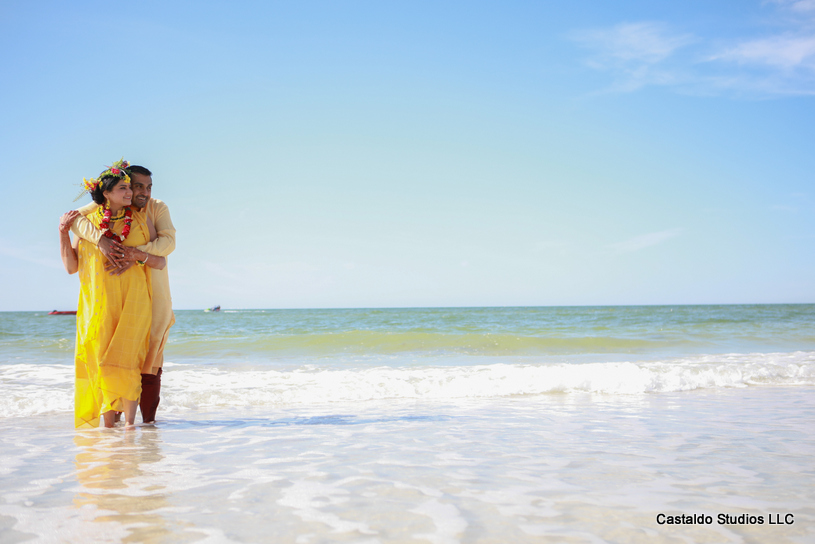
{"x":214,"y":309}
{"x":56,"y":312}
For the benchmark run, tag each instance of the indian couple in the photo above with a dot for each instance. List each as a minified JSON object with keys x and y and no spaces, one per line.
{"x":120,"y":246}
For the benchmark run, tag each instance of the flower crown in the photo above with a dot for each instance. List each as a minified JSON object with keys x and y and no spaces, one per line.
{"x":119,"y":169}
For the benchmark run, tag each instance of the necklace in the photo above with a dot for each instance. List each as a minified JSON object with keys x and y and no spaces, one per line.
{"x":104,"y":226}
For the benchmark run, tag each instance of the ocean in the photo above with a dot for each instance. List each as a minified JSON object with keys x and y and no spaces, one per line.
{"x":625,"y":424}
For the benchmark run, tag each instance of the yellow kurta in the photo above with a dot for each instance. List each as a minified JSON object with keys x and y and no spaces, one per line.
{"x":162,"y":246}
{"x":112,"y":328}
{"x":163,"y":316}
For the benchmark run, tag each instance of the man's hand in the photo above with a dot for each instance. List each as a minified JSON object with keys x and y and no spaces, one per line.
{"x":132,"y":254}
{"x":113,"y":250}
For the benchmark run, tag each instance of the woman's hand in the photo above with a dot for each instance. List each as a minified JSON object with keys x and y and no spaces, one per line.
{"x":118,"y":270}
{"x":67,"y":220}
{"x":125,"y":258}
{"x":112,"y":249}
{"x":131,"y":255}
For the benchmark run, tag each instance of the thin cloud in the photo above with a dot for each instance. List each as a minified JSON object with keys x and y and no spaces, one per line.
{"x":636,"y":52}
{"x":798,"y":6}
{"x":652,"y":53}
{"x":783,"y":62}
{"x":645,"y":240}
{"x":783,"y":52}
{"x":644,"y":42}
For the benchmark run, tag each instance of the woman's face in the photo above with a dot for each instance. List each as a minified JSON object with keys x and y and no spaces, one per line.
{"x":119,"y":195}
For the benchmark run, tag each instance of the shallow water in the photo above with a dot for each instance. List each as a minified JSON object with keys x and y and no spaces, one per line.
{"x":556,"y":468}
{"x":440,"y":426}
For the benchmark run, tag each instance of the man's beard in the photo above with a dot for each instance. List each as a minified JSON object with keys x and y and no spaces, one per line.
{"x":140,"y":202}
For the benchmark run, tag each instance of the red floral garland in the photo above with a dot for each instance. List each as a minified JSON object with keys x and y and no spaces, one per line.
{"x":105,"y":225}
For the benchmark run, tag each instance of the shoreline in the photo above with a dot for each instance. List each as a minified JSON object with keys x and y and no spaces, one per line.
{"x":539,"y":469}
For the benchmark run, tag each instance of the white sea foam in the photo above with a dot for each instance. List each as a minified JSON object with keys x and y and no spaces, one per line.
{"x":27,"y":389}
{"x":31,"y":389}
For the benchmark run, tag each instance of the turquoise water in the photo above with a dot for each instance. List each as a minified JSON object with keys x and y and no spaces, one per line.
{"x":547,"y":331}
{"x":501,"y":331}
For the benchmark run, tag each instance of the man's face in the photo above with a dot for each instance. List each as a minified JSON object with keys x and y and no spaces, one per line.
{"x":142,"y":188}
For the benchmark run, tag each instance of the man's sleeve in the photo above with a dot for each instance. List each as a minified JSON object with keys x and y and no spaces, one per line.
{"x":165,"y":243}
{"x":82,"y":226}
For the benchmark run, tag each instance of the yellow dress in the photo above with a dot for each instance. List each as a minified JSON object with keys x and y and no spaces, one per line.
{"x":112,"y":327}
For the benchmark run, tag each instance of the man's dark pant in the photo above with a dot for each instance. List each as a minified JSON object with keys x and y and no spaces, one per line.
{"x":150,"y":389}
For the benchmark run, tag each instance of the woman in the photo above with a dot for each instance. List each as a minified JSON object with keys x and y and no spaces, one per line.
{"x":114,"y":311}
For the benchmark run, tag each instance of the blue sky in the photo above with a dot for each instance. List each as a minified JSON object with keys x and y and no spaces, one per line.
{"x":369,"y":154}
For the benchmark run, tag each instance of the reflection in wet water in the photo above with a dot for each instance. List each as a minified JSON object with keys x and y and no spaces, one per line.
{"x":117,"y":477}
{"x":570,"y":468}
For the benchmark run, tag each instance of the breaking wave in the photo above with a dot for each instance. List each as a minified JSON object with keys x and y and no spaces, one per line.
{"x":30,"y":389}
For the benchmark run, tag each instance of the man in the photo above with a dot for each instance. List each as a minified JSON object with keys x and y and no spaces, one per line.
{"x":121,"y":258}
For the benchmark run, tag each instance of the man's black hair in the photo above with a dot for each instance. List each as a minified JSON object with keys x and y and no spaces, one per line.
{"x":136,"y":169}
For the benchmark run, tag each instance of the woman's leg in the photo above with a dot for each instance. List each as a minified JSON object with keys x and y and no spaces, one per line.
{"x":110,"y":418}
{"x":130,"y":411}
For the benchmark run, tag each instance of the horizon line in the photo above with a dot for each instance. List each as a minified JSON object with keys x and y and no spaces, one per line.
{"x":481,"y":307}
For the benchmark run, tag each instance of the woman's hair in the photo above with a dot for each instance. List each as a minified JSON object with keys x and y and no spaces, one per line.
{"x":107,"y":182}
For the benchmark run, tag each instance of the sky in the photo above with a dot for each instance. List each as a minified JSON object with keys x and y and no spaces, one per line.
{"x":414,"y":154}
